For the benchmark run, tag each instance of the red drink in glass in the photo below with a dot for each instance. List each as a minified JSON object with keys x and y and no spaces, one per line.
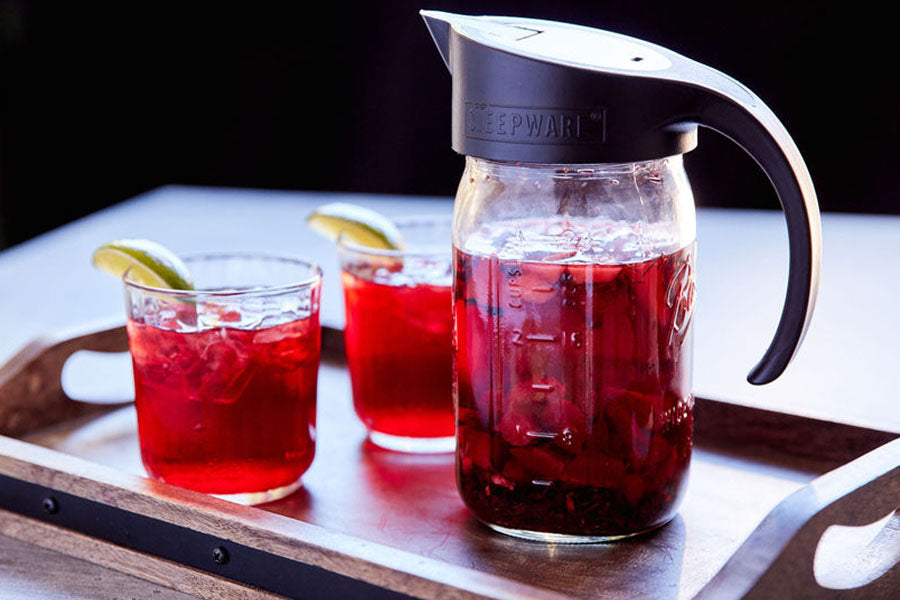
{"x":574,"y":399}
{"x":399,"y":354}
{"x":225,"y":380}
{"x":226,"y":410}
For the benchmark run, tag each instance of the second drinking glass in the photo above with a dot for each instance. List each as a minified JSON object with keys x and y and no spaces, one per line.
{"x":398,"y":337}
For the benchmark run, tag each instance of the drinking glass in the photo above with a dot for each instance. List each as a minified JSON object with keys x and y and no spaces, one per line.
{"x":225,"y":375}
{"x":398,"y":337}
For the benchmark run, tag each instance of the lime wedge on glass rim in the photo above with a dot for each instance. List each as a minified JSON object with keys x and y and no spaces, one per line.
{"x":356,"y":224}
{"x":146,"y":262}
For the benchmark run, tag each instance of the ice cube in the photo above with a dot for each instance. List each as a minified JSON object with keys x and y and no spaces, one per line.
{"x":286,"y":346}
{"x":225,"y":369}
{"x":272,"y":333}
{"x":212,"y":315}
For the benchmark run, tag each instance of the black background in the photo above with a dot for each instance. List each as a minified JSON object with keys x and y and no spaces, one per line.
{"x":101,"y":102}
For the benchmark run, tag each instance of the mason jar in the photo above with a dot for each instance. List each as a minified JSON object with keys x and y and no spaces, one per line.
{"x":573,"y":297}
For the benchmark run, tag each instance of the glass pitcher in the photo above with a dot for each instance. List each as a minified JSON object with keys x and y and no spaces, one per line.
{"x":574,"y":243}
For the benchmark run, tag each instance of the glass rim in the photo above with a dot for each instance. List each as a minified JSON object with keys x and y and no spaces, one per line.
{"x":401,"y":222}
{"x":314,"y":277}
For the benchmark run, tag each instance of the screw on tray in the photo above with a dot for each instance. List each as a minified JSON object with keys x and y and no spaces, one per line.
{"x":220,"y":555}
{"x":51,"y":506}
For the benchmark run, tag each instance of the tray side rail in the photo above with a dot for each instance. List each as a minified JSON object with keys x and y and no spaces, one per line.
{"x":777,"y":560}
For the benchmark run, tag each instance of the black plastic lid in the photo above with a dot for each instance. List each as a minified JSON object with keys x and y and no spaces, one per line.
{"x":545,"y":92}
{"x":534,"y":91}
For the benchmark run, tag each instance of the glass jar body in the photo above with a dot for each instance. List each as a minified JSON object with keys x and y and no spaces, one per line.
{"x":573,"y":298}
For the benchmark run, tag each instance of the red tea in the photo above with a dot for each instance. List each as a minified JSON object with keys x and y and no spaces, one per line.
{"x":574,"y":400}
{"x":226,"y":410}
{"x":399,"y":353}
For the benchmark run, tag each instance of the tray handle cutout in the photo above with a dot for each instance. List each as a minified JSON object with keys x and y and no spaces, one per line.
{"x":31,"y":392}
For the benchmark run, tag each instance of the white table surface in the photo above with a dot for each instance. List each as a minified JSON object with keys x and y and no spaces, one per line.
{"x":848,"y":369}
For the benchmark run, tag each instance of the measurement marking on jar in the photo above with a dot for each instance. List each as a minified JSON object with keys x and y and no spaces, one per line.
{"x":547,"y":435}
{"x":543,"y":288}
{"x":543,"y":387}
{"x":540,"y":337}
{"x":541,"y":482}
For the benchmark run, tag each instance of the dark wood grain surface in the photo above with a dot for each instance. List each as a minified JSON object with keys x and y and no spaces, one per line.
{"x":744,"y":464}
{"x":62,"y":576}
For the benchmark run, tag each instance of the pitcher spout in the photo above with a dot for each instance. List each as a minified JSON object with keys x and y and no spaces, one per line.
{"x":439,"y":28}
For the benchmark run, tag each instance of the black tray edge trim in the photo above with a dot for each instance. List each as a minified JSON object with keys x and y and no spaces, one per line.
{"x":217,"y":556}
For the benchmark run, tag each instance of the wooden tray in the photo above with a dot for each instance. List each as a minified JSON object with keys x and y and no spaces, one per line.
{"x":372,"y":523}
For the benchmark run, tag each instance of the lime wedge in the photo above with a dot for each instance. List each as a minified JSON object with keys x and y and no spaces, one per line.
{"x":359,"y":225}
{"x":147,"y":263}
